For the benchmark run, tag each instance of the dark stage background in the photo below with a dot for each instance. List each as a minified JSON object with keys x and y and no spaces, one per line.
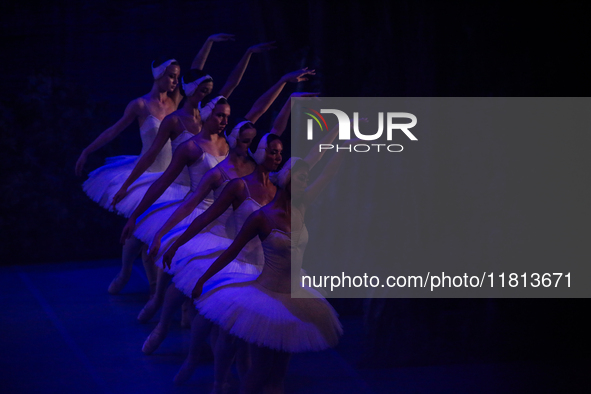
{"x":70,"y":68}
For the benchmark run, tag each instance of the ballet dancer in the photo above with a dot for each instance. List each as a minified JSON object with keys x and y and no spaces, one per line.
{"x":200,"y":153}
{"x":262,"y":312}
{"x":251,"y":256}
{"x":149,"y":110}
{"x":215,"y":180}
{"x":175,"y":129}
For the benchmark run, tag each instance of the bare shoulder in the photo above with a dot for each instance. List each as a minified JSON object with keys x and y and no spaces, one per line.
{"x":215,"y":174}
{"x":191,"y":148}
{"x":236,"y":185}
{"x":137,"y":105}
{"x":171,"y":120}
{"x":140,"y":102}
{"x":259,"y":219}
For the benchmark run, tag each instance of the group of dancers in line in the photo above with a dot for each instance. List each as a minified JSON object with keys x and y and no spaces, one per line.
{"x":219,"y":219}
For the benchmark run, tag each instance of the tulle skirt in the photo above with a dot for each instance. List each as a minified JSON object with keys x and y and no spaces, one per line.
{"x":103,"y":183}
{"x":157,"y":215}
{"x":271,"y":319}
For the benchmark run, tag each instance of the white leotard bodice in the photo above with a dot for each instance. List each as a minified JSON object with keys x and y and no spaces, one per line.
{"x":283,"y":252}
{"x":148,"y":131}
{"x":252,"y":253}
{"x":183,"y":177}
{"x":196,"y":171}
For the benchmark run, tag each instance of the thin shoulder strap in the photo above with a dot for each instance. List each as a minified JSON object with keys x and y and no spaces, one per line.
{"x":182,"y":124}
{"x":246,"y":186}
{"x":224,"y":174}
{"x":273,"y":223}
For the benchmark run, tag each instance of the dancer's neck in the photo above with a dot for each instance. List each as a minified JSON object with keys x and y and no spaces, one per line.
{"x":190,"y":108}
{"x":282,"y":201}
{"x":209,"y":135}
{"x":261,"y":174}
{"x":157,"y":94}
{"x":237,"y":159}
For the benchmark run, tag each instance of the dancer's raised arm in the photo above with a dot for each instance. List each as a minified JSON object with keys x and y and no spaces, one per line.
{"x":283,"y":117}
{"x":203,"y":53}
{"x":328,"y":172}
{"x":236,"y":75}
{"x":265,"y":101}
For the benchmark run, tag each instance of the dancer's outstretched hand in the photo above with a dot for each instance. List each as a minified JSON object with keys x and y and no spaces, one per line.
{"x":298,"y":76}
{"x":197,"y":290}
{"x":120,"y":195}
{"x":80,"y":164}
{"x":154,"y":247}
{"x":262,"y":47}
{"x":168,"y":256}
{"x":221,"y":37}
{"x":128,"y":230}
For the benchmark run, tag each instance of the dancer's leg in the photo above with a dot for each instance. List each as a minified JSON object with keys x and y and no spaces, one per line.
{"x":131,"y":249}
{"x":213,"y":335}
{"x":155,"y":303}
{"x":151,"y":269}
{"x":188,"y":313}
{"x":274,"y":384}
{"x":200,"y":329}
{"x":173,"y":299}
{"x":256,"y":377}
{"x":223,"y":356}
{"x":243,"y":363}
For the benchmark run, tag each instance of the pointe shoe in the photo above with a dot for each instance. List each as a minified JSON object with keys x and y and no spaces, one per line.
{"x":149,"y":310}
{"x":118,"y":283}
{"x":204,"y":356}
{"x":154,"y":340}
{"x":186,"y":371}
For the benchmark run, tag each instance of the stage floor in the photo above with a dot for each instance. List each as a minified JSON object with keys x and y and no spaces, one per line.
{"x":62,"y":332}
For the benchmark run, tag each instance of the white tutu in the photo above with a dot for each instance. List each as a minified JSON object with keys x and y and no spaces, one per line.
{"x":187,"y":270}
{"x":103,"y":183}
{"x":263,"y":312}
{"x":157,"y":215}
{"x":193,"y":259}
{"x":270,"y":319}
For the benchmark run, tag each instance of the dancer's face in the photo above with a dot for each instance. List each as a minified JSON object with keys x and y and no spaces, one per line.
{"x":204,"y":89}
{"x":218,"y":120}
{"x":244,"y":140}
{"x":169,"y":81}
{"x":273,"y":155}
{"x":298,"y":184}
